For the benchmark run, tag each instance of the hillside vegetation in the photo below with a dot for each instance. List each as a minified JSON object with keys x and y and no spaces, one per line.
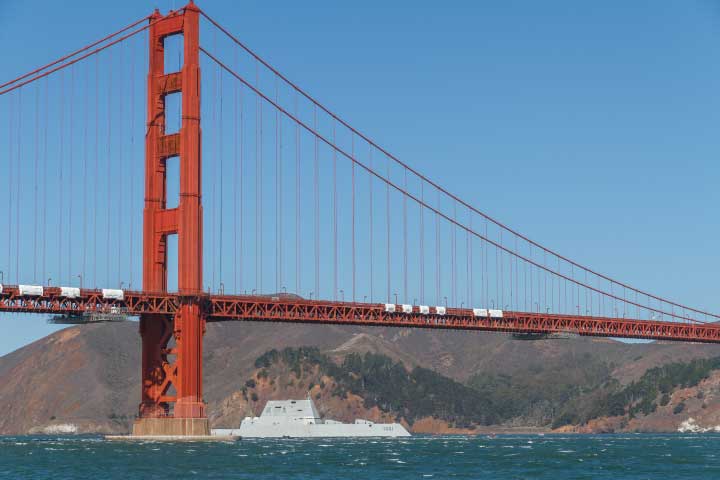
{"x":388,"y":385}
{"x":641,"y":397}
{"x":533,"y":396}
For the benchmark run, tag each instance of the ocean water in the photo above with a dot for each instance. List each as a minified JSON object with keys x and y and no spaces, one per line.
{"x":553,"y":457}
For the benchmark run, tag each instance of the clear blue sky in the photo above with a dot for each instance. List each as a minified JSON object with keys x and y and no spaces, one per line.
{"x":591,"y":127}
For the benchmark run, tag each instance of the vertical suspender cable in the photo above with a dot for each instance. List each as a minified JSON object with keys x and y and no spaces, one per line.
{"x":510,"y":278}
{"x":517,"y":278}
{"x":487,"y":268}
{"x":559,"y":302}
{"x":277,"y":191}
{"x":587,"y":292}
{"x":371,"y":244}
{"x":482,"y":273}
{"x":405,"y":239}
{"x":501,"y":294}
{"x":387,"y":225}
{"x":525,"y":286}
{"x":297,"y":201}
{"x":496,"y":294}
{"x":17,"y":186}
{"x":453,"y":259}
{"x":96,"y":177}
{"x":572,"y":290}
{"x":45,"y":175}
{"x":35,"y":182}
{"x":352,"y":166}
{"x":236,"y":182}
{"x":470,"y":263}
{"x":278,"y":188}
{"x":316,"y":187}
{"x":121,"y":170}
{"x":132,"y":167}
{"x":220,"y":127}
{"x":335,"y":217}
{"x":437,"y":253}
{"x":260,"y":197}
{"x":71,"y":174}
{"x":108,"y":170}
{"x":513,"y":281}
{"x":540,"y":273}
{"x":85,"y":172}
{"x":213,"y":261}
{"x":11,"y":122}
{"x":545,"y":278}
{"x":241,"y":191}
{"x":422,"y":241}
{"x":468,"y":298}
{"x":532,"y":282}
{"x":62,"y":180}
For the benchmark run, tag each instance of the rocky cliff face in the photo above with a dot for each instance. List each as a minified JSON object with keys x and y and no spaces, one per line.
{"x":86,"y":378}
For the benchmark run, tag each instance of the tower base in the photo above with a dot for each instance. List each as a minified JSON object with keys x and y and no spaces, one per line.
{"x":171,"y":427}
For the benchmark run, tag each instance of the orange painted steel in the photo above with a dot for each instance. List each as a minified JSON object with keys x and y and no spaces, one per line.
{"x":187,"y":325}
{"x":261,"y":308}
{"x":224,"y":308}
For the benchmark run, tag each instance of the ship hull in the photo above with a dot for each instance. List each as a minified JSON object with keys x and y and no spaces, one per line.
{"x":341,"y":430}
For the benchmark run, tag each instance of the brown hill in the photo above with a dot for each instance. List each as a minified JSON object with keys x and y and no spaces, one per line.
{"x":88,"y":376}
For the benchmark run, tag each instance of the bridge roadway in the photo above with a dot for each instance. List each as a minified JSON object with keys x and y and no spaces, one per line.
{"x":220,"y":308}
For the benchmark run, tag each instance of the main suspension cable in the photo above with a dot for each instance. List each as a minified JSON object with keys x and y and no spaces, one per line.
{"x":499,"y":247}
{"x":437,"y":186}
{"x":75,"y":53}
{"x":15,"y":84}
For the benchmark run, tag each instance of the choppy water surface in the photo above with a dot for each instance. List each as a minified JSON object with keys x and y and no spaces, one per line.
{"x":505,"y":457}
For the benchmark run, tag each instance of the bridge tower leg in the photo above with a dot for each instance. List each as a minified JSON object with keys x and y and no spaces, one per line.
{"x":172,"y":402}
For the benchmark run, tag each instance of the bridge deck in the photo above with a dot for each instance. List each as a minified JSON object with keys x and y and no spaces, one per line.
{"x":222,"y":308}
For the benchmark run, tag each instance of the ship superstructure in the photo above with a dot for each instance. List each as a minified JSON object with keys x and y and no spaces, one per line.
{"x":300,"y":418}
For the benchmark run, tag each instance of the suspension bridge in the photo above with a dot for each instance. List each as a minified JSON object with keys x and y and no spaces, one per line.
{"x":298,"y":216}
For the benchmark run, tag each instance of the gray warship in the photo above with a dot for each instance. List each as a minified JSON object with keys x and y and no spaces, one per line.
{"x":300,"y":419}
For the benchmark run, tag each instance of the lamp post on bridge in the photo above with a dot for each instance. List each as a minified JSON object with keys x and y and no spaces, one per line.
{"x":49,"y":280}
{"x":79,"y":275}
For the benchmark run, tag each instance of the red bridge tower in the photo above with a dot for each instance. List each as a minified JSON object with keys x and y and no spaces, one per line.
{"x":172,"y":402}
